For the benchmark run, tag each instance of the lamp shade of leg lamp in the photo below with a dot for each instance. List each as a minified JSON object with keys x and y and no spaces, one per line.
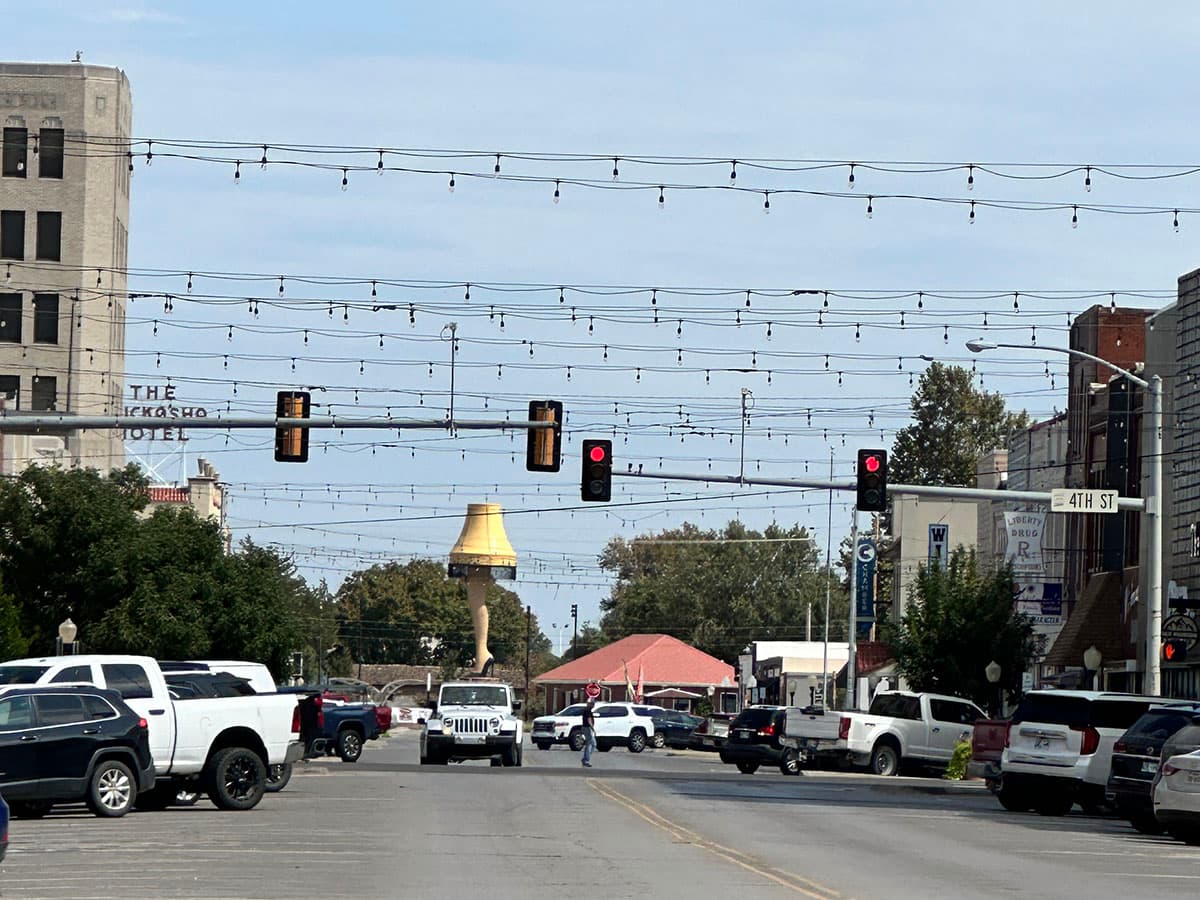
{"x":481,"y":555}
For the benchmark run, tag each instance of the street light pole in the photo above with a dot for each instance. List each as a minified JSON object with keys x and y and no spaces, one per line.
{"x":1153,"y":499}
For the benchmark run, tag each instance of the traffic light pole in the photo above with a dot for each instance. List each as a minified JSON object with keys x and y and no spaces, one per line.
{"x":852,"y":638}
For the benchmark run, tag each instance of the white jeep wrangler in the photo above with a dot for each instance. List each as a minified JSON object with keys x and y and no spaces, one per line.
{"x":473,"y":719}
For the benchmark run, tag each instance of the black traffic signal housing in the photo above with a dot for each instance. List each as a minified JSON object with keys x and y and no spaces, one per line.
{"x":1174,"y":650}
{"x":291,"y":444}
{"x":596,"y":482}
{"x":871,"y":482}
{"x":543,"y":447}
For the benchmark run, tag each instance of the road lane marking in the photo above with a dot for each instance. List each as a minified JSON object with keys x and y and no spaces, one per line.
{"x":789,"y":880}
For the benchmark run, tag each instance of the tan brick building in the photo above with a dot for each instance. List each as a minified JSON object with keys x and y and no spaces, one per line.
{"x":64,"y":235}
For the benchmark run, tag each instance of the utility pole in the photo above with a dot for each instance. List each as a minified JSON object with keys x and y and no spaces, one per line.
{"x":828,"y":574}
{"x":852,"y":638}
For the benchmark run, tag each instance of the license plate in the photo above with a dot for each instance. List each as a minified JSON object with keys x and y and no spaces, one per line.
{"x":1149,"y":767}
{"x":745,"y":732}
{"x":1193,"y":777}
{"x":471,"y":738}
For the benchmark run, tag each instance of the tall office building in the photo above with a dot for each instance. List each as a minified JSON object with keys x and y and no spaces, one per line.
{"x":64,"y":236}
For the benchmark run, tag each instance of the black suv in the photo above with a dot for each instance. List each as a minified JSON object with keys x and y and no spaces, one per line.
{"x":65,"y":743}
{"x":1135,"y":762}
{"x":754,"y":741}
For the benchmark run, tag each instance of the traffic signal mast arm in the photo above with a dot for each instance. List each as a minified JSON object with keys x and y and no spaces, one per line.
{"x":917,"y":490}
{"x":24,"y":423}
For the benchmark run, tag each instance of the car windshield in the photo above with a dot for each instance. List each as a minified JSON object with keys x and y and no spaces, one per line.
{"x":21,"y":674}
{"x":474,"y":695}
{"x":1159,"y":725}
{"x":1053,"y":710}
{"x":754,"y":718}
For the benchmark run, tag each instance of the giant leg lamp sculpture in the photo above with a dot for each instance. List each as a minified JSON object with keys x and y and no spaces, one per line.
{"x":481,"y":555}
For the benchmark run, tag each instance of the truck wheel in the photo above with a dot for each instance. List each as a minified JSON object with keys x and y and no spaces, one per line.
{"x":747,"y":768}
{"x":511,"y":755}
{"x":30,"y":809}
{"x":637,"y":741}
{"x":658,"y":741}
{"x":111,"y":789}
{"x":1014,"y":800}
{"x":885,"y":759}
{"x":577,"y":740}
{"x":278,"y":777}
{"x":349,"y":745}
{"x":1054,"y":803}
{"x":790,"y":764}
{"x":543,"y":745}
{"x":237,"y":778}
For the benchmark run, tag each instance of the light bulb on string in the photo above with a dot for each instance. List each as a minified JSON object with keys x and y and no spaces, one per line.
{"x":557,"y":193}
{"x":450,"y":186}
{"x":1087,"y":178}
{"x":496,"y":168}
{"x":767,"y":202}
{"x":1016,"y":301}
{"x":237,"y":173}
{"x":1176,"y":222}
{"x":970,"y":177}
{"x":616,"y":173}
{"x":920,"y":299}
{"x":870,"y":207}
{"x":345,"y":179}
{"x":971,"y":217}
{"x":1112,"y":302}
{"x":379,"y":165}
{"x":1074,"y":216}
{"x":733,"y":170}
{"x":662,"y":200}
{"x":149,"y":152}
{"x":850,"y":181}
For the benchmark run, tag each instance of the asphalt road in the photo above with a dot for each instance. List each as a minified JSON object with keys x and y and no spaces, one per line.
{"x":659,"y":824}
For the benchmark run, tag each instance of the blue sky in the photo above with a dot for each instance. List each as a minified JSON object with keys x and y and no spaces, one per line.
{"x":1075,"y":83}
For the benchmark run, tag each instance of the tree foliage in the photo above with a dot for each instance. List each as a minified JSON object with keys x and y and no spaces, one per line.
{"x":718,"y":590}
{"x":956,"y":621}
{"x":74,"y":543}
{"x":953,"y":423}
{"x":414,"y":613}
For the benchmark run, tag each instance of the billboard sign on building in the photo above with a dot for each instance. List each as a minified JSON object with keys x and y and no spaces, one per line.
{"x":1025,"y":530}
{"x":939,"y":544}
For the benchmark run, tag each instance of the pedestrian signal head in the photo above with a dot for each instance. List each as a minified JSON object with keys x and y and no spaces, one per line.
{"x":1174,"y":650}
{"x":543,"y":446}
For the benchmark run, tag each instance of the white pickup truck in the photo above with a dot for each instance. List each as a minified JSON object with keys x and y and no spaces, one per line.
{"x":900,"y":727}
{"x":220,"y":746}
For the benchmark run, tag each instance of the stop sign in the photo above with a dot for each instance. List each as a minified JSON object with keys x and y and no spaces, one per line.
{"x":592,"y":690}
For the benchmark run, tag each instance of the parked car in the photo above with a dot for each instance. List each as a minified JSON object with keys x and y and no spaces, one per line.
{"x":754,"y":741}
{"x":617,"y":725}
{"x":1177,"y":797}
{"x":1060,"y":748}
{"x":712,"y":732}
{"x":900,"y":727}
{"x":3,"y":828}
{"x":673,"y":728}
{"x":220,"y":746}
{"x":1136,"y":759}
{"x":65,"y":744}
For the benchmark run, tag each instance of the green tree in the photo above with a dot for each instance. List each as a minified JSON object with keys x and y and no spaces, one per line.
{"x":956,"y":621}
{"x":953,"y":423}
{"x":64,"y":536}
{"x":719,"y":589}
{"x":12,"y":643}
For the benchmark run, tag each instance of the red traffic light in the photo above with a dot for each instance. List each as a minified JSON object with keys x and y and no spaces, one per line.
{"x":871,"y":463}
{"x":597,"y":454}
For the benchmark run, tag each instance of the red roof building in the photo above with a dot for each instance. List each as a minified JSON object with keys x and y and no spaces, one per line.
{"x":678,"y":672}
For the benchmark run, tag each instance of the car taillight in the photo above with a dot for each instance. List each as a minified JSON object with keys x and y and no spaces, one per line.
{"x":1168,"y":769}
{"x":320,"y":711}
{"x":1120,"y":747}
{"x":844,"y":728}
{"x":142,"y":723}
{"x":769,"y":731}
{"x":1090,"y":741}
{"x":296,"y":719}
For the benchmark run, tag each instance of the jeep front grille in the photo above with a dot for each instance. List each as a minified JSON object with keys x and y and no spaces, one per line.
{"x":470,"y":725}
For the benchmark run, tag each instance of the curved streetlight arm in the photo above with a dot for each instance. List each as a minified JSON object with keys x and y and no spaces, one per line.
{"x":980,"y":346}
